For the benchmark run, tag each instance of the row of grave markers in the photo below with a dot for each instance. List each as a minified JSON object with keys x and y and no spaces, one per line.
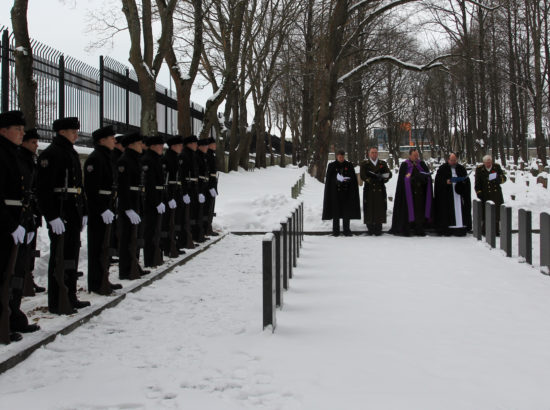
{"x":525,"y":231}
{"x":280,"y":253}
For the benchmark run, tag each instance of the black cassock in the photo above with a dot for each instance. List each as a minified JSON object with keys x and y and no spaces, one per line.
{"x":444,"y":199}
{"x":341,"y":199}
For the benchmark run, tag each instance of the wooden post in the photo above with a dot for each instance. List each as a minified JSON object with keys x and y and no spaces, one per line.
{"x":290,"y":246}
{"x":278,"y":267}
{"x":477,"y":221}
{"x":506,"y":229}
{"x":285,"y":244}
{"x":490,"y":223}
{"x":268,"y":256}
{"x":545,"y":243}
{"x":525,"y":235}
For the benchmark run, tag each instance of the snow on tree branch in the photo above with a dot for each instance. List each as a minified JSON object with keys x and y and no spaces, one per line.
{"x":395,"y":61}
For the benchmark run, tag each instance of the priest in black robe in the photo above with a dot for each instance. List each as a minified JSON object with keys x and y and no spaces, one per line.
{"x":452,"y":199}
{"x":341,"y":200}
{"x":412,"y":209}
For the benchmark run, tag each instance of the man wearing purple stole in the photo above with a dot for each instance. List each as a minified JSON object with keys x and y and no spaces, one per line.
{"x":413,"y":197}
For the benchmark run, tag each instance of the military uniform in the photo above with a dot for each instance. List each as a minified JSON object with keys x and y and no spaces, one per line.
{"x":212,"y":184}
{"x":153,"y":169}
{"x":203,"y":186}
{"x":129,"y":193}
{"x":28,"y":162}
{"x":100,"y":193}
{"x":172,"y":164}
{"x":189,"y":177}
{"x":490,"y":190}
{"x":60,"y":196}
{"x":375,"y":175}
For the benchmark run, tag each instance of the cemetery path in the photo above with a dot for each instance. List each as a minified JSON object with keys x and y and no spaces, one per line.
{"x":368,"y":323}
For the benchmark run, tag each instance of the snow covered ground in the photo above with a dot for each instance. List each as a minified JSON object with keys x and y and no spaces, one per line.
{"x":381,"y":323}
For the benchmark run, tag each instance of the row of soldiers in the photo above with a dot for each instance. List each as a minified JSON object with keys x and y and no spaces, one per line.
{"x":130,"y":194}
{"x":420,"y":201}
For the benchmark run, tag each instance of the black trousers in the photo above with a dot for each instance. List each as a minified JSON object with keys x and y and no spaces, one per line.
{"x":151,"y":237}
{"x":71,"y":251}
{"x":18,"y":319}
{"x":375,"y":229}
{"x":336,"y":225}
{"x":96,"y":237}
{"x":124,"y":255}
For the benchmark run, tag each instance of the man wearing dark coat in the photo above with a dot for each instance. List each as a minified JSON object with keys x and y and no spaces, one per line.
{"x":452,"y":199}
{"x":28,"y":160}
{"x":488,"y":178}
{"x":62,"y":202}
{"x":204,"y":183}
{"x":189,"y":177}
{"x":212,"y":185}
{"x":375,"y":173}
{"x":116,"y":153}
{"x":173,"y":191}
{"x":100,"y":194}
{"x":153,"y":168}
{"x":129,"y":191}
{"x":413,"y":197}
{"x":13,"y":227}
{"x":341,"y":198}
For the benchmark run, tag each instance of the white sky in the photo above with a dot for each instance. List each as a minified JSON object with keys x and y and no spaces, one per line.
{"x":62,"y":24}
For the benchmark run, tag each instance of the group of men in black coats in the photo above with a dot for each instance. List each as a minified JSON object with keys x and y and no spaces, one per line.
{"x":130,"y":193}
{"x":420,"y":202}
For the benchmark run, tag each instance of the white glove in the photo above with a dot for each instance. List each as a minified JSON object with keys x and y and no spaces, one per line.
{"x":84,"y":221}
{"x":172,"y":204}
{"x":186,"y":199}
{"x":493,"y":176}
{"x":58,"y":227}
{"x":18,"y":235}
{"x":108,"y":217}
{"x":161,"y":208}
{"x":213,"y":192}
{"x":133,"y":216}
{"x":339,"y":177}
{"x":30,"y":237}
{"x":201,"y":199}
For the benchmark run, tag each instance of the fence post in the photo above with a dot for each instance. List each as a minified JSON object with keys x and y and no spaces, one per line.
{"x":477,"y":218}
{"x":268,"y":256}
{"x":127,"y":99}
{"x":290,"y":245}
{"x":101,"y":91}
{"x":61,"y":86}
{"x":506,"y":229}
{"x":301,"y":223}
{"x":278,"y":267}
{"x":294,"y":241}
{"x":545,"y":243}
{"x":5,"y":66}
{"x":166,"y":113}
{"x":490,"y":223}
{"x":284,"y":243}
{"x":525,"y":235}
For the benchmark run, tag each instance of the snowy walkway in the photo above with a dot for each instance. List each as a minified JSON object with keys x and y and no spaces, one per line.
{"x":369,"y":323}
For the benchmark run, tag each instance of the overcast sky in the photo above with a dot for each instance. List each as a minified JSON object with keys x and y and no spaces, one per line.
{"x":62,"y":24}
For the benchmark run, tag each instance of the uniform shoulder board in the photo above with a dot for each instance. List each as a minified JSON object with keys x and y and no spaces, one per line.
{"x":44,"y":162}
{"x":89,"y":168}
{"x":121,"y":168}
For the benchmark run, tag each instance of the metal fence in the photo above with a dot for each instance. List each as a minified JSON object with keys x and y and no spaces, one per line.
{"x":67,"y":87}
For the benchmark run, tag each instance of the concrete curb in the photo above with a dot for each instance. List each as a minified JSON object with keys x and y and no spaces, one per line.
{"x":21,"y":350}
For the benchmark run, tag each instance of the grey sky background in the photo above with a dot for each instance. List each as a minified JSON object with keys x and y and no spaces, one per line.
{"x":62,"y":24}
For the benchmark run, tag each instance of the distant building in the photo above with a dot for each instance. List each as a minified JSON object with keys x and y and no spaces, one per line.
{"x":408,"y":137}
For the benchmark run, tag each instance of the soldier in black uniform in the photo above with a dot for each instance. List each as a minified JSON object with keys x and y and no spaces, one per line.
{"x":153,"y":168}
{"x":12,"y":226}
{"x":100,"y":194}
{"x":27,"y":157}
{"x":61,"y":201}
{"x":173,"y":198}
{"x":204,"y":183}
{"x":212,"y":186}
{"x":116,"y":153}
{"x":189,"y":178}
{"x":129,"y":192}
